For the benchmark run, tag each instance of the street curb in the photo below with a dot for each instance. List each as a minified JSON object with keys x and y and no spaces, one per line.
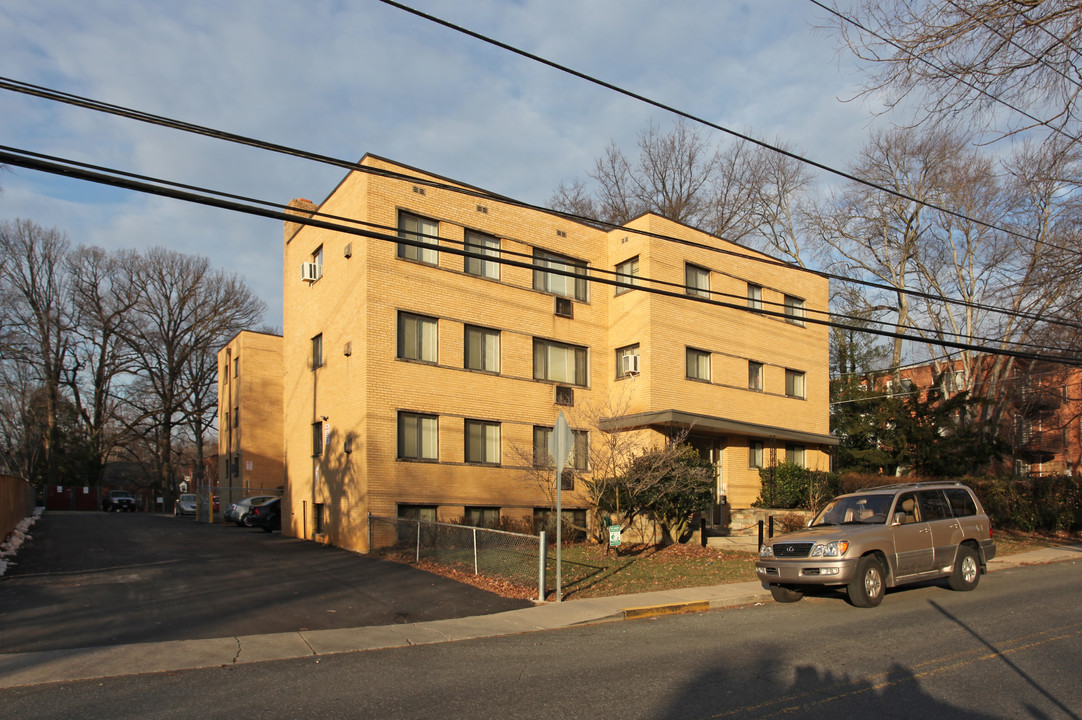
{"x":669,"y":609}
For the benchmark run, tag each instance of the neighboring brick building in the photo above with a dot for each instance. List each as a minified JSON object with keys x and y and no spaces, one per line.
{"x":250,"y":436}
{"x":418,"y":382}
{"x":1037,"y":407}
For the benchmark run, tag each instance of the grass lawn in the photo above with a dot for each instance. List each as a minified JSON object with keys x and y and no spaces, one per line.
{"x":595,"y":571}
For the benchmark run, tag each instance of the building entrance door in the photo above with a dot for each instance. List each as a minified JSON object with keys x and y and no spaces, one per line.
{"x":710,"y":448}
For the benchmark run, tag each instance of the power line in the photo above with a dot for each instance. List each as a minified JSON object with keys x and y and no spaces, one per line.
{"x":594,"y":271}
{"x":99,"y":106}
{"x":283,"y":213}
{"x":721,"y":128}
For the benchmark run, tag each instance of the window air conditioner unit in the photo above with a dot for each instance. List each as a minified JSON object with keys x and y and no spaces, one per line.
{"x":310,"y":271}
{"x":565,"y":395}
{"x":629,"y":365}
{"x":564,"y":307}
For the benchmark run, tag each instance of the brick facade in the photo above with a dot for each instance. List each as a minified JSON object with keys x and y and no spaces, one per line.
{"x":342,"y":417}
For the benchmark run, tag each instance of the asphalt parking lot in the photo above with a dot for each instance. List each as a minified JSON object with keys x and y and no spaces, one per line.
{"x":89,"y":579}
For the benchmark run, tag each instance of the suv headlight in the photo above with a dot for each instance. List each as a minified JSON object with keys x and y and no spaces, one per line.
{"x":766,"y":551}
{"x":836,"y":548}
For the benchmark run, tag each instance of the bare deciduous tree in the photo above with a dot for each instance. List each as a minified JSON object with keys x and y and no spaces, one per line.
{"x":37,"y":317}
{"x":969,"y":59}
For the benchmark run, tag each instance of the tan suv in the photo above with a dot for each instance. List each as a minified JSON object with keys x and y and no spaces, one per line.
{"x":882,"y":537}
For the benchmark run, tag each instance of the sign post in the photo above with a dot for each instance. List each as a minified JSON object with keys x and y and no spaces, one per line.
{"x":560,"y":448}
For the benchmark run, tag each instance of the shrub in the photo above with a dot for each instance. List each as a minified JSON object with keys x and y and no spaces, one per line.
{"x":789,"y":522}
{"x":788,"y":486}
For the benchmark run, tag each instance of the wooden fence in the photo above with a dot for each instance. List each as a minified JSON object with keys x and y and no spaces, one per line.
{"x":16,"y":503}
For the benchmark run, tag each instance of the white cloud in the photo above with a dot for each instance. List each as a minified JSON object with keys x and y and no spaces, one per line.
{"x":343,"y":79}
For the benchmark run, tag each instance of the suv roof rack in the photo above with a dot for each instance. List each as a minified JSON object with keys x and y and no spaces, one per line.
{"x":896,"y":486}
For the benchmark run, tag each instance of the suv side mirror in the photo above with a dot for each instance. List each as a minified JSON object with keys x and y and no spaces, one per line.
{"x":899,"y":518}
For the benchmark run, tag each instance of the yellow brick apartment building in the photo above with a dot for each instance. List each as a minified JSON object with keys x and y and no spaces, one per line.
{"x":420,"y":382}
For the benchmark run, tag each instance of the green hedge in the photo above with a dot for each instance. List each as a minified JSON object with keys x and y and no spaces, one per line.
{"x":792,"y":487}
{"x":1042,"y":504}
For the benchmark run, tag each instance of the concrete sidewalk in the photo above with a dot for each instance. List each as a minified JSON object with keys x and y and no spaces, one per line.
{"x":21,"y":669}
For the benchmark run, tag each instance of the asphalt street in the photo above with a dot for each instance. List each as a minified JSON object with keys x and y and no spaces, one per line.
{"x":93,"y":579}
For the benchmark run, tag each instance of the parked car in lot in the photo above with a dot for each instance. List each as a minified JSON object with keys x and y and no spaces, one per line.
{"x":880,"y":538}
{"x":267,"y":516}
{"x":238,"y":512}
{"x":184,"y":505}
{"x":118,"y":500}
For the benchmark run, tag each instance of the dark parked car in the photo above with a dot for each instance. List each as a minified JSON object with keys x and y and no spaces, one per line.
{"x":267,"y":516}
{"x":238,"y":512}
{"x":119,"y":500}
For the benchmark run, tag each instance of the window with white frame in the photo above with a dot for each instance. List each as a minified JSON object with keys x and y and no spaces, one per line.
{"x":572,"y":286}
{"x":485,"y":245}
{"x":417,"y":337}
{"x":755,"y":296}
{"x":422,"y":230}
{"x":794,"y":455}
{"x":417,"y":436}
{"x":696,"y":280}
{"x":482,"y":349}
{"x":577,"y":459}
{"x":627,"y":272}
{"x":482,"y":442}
{"x":557,"y":362}
{"x":794,"y":310}
{"x":755,"y":376}
{"x":794,"y":383}
{"x":698,"y":364}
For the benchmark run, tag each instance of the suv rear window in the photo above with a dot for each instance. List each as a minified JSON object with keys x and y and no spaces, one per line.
{"x":961,"y":502}
{"x":933,"y":506}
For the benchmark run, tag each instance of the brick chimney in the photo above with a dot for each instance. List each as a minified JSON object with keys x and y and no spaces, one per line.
{"x":297,"y":206}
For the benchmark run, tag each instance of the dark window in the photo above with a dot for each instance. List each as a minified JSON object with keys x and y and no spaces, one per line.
{"x":417,"y":436}
{"x":317,"y":439}
{"x":755,"y":296}
{"x":422,"y":230}
{"x":484,"y":517}
{"x":961,"y":502}
{"x":933,"y":505}
{"x":482,"y":442}
{"x":794,"y":310}
{"x":578,"y":458}
{"x":698,"y":364}
{"x":755,"y":376}
{"x":627,"y":272}
{"x":317,"y":351}
{"x":697,"y":280}
{"x":558,"y":362}
{"x":572,"y":286}
{"x":417,"y":337}
{"x":482,"y":349}
{"x":485,"y":245}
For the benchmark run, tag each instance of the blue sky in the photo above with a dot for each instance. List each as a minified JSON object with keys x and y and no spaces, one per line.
{"x":349,"y":77}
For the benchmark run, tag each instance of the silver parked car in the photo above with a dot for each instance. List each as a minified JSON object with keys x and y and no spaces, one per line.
{"x":880,"y":538}
{"x":239,"y":511}
{"x":184,"y":505}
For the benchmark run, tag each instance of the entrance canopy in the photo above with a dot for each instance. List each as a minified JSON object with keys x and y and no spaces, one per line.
{"x":663,"y":419}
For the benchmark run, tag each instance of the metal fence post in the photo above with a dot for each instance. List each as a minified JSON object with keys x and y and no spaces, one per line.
{"x":475,"y":552}
{"x":418,"y":541}
{"x":542,"y":554}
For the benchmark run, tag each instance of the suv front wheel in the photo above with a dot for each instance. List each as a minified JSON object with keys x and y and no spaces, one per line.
{"x":868,"y":587}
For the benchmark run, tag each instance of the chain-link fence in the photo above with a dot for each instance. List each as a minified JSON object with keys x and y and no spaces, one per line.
{"x":514,"y":557}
